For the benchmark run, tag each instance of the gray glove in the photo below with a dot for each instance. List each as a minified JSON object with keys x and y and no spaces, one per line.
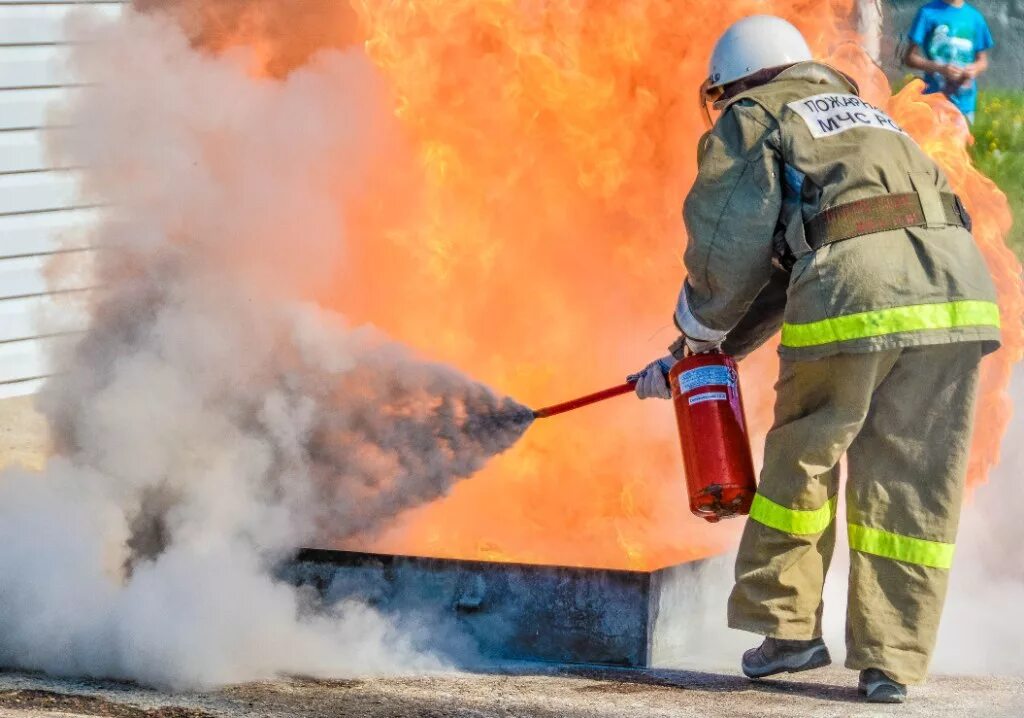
{"x":652,"y":382}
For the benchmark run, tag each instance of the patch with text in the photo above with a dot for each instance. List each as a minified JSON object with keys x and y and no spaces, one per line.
{"x":832,"y":114}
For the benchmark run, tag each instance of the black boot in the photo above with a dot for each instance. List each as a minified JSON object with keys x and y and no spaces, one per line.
{"x":879,"y":688}
{"x":777,"y":655}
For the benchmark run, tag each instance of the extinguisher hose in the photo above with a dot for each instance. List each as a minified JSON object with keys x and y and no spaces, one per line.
{"x":584,"y":401}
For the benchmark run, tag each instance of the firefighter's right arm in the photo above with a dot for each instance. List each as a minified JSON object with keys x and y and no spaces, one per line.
{"x":731,"y":214}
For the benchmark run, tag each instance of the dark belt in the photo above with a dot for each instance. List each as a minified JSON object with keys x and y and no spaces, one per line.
{"x":879,"y":214}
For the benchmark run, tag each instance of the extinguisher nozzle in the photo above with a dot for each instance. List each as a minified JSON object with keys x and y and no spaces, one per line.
{"x":584,"y":401}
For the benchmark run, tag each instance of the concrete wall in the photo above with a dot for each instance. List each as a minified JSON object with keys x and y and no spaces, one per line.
{"x":1005,"y":17}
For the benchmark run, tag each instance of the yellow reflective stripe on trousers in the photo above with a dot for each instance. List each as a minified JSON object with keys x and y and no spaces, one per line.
{"x":793,"y":521}
{"x":901,"y":548}
{"x":919,"y":317}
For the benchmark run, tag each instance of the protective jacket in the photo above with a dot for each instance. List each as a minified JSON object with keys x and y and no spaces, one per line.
{"x":777,"y":239}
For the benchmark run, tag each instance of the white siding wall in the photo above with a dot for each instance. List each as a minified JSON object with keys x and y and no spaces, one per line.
{"x":41,"y":217}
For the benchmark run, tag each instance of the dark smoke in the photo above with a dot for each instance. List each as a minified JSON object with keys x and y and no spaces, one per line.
{"x":427,"y":424}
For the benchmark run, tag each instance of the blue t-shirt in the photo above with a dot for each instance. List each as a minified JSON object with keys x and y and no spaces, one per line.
{"x":953,"y":36}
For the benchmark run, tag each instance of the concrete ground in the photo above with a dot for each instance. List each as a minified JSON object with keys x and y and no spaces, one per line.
{"x":522,"y":692}
{"x":540,"y":692}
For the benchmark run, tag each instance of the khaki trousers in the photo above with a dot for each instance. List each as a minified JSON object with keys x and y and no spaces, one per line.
{"x":903,"y":417}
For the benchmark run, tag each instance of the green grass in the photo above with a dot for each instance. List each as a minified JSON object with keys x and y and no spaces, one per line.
{"x":999,"y":151}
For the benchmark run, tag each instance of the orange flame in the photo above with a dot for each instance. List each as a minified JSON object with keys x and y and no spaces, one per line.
{"x":526,"y":229}
{"x":275,"y":36}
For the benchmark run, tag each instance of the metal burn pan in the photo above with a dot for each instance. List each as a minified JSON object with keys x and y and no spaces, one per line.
{"x":479,"y":611}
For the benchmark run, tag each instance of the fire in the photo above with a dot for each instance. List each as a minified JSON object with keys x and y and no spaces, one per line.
{"x":274,"y":37}
{"x":524,"y":226}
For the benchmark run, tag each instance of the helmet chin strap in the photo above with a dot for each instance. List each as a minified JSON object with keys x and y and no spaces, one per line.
{"x":709,"y":95}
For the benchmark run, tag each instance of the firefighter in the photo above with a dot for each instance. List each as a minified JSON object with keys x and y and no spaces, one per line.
{"x":815,"y":214}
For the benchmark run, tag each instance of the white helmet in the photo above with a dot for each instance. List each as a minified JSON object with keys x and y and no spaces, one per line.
{"x":753,"y":44}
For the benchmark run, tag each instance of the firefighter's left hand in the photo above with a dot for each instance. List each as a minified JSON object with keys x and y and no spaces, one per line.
{"x":652,"y":382}
{"x":698,"y":347}
{"x":694,"y":346}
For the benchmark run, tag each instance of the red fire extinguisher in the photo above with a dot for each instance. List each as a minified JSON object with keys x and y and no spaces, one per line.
{"x":712,"y":431}
{"x":713,"y":435}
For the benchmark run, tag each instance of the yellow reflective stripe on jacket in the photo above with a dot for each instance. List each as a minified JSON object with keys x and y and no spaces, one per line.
{"x":793,"y":521}
{"x":919,"y":317}
{"x":901,"y":548}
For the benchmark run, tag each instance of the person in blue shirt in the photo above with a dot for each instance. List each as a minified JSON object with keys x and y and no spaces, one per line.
{"x":949,"y":42}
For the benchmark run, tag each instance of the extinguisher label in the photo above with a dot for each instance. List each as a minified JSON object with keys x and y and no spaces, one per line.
{"x":708,"y":396}
{"x":706,"y":376}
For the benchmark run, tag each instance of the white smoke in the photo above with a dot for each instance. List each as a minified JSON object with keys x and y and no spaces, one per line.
{"x":211,"y":420}
{"x":981,"y":633}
